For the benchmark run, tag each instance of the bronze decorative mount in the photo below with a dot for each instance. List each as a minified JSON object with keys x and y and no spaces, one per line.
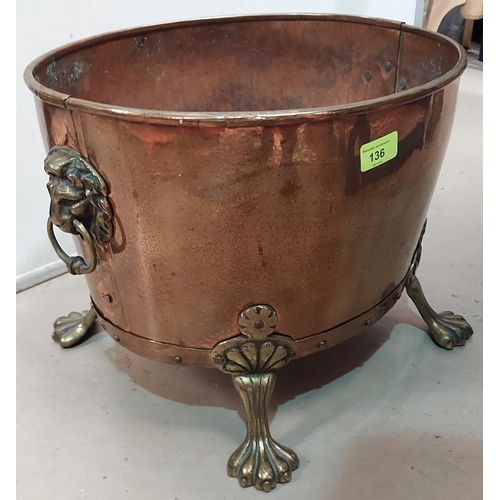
{"x":251,"y":358}
{"x":78,"y":205}
{"x":446,"y":329}
{"x":257,"y":349}
{"x":72,"y":329}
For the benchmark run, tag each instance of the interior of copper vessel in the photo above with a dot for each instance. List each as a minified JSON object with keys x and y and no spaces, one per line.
{"x":249,"y":66}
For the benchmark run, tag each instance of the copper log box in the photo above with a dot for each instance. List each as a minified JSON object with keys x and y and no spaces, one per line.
{"x":244,"y":191}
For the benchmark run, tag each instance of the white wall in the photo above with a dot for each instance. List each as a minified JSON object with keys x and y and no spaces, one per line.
{"x":45,"y":25}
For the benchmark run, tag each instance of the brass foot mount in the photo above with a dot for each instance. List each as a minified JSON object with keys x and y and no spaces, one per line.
{"x":70,"y":330}
{"x":251,"y":359}
{"x":260,"y":461}
{"x":447,"y":329}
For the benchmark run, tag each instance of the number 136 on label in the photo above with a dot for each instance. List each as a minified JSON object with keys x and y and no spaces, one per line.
{"x":379,"y":151}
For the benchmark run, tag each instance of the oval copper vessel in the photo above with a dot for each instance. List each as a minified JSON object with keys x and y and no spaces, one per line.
{"x":245,"y":190}
{"x":231,"y":152}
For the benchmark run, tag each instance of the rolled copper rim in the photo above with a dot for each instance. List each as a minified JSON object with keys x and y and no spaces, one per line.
{"x":241,"y":118}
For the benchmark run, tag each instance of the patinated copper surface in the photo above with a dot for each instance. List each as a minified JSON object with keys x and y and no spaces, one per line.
{"x":164,"y":351}
{"x":230,"y":149}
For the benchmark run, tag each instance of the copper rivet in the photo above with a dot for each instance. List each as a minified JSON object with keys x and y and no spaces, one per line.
{"x":177,"y":359}
{"x":116,"y":338}
{"x":322,"y":343}
{"x":367,"y":76}
{"x":259,"y":324}
{"x":387,"y":66}
{"x":108,"y":298}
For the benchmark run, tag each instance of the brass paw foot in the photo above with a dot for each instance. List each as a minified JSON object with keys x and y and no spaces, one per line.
{"x":260,"y":461}
{"x":251,"y":359}
{"x":447,"y":329}
{"x":70,"y":330}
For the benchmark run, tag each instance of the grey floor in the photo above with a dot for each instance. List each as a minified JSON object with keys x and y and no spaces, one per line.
{"x":386,"y":415}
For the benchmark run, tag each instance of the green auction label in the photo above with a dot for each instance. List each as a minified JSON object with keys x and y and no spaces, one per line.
{"x":379,"y":151}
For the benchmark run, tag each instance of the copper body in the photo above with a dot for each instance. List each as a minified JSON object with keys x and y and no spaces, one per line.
{"x":231,"y":151}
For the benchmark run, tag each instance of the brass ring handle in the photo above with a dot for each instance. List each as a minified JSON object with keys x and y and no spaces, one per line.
{"x":75,"y":265}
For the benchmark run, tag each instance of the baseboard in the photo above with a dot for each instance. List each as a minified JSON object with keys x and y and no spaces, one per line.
{"x":39,"y":275}
{"x":473,"y":63}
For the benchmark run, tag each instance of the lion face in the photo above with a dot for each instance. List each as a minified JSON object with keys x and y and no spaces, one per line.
{"x":77,"y":191}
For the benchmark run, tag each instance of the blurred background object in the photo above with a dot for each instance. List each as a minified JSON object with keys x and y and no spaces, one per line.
{"x":460,"y":20}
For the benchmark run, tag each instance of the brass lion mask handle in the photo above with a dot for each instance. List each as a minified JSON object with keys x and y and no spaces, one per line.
{"x":78,"y":205}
